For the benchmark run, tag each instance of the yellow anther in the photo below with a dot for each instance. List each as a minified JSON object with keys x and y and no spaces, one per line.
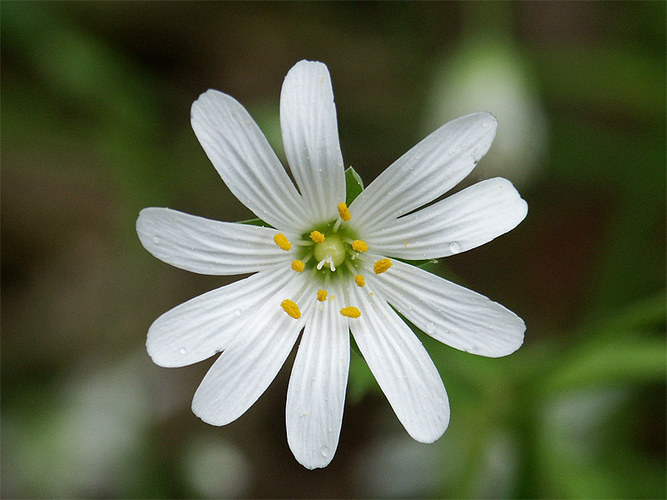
{"x":282,"y":241}
{"x":291,"y":308}
{"x":322,"y":295}
{"x":359,"y":246}
{"x":344,"y":212}
{"x":381,"y":266}
{"x":359,"y":280}
{"x":298,"y":265}
{"x":350,"y":312}
{"x":317,"y":237}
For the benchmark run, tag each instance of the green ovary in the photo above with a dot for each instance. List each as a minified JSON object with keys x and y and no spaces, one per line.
{"x":332,"y":246}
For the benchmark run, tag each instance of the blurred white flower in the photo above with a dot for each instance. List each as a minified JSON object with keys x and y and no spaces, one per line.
{"x":328,"y":269}
{"x":491,"y":75}
{"x":216,"y":469}
{"x":80,"y":445}
{"x":394,"y":467}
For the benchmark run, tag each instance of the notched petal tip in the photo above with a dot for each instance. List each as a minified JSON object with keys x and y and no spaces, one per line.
{"x":203,"y":413}
{"x":209,"y":107}
{"x":207,"y":98}
{"x":519,"y":206}
{"x":517,"y":335}
{"x":487,"y":120}
{"x":311,"y":464}
{"x":301,"y":76}
{"x":161,"y":352}
{"x":308,"y":65}
{"x":430,"y":435}
{"x":146,"y":224}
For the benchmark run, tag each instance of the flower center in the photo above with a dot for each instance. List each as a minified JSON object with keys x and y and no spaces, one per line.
{"x":322,"y":250}
{"x":331,"y":250}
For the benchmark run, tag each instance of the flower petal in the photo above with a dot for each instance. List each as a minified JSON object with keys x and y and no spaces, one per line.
{"x":401,"y":366}
{"x":316,"y":392}
{"x":245,"y":161}
{"x":206,"y":246}
{"x":465,"y":220}
{"x":204,"y":325}
{"x":252,"y":360}
{"x":310,"y":137}
{"x":451,"y":313}
{"x":429,"y":169}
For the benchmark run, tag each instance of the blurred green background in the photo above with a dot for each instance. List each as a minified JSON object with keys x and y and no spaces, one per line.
{"x":95,"y":126}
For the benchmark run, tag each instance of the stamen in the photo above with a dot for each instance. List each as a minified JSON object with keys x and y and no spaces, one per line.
{"x":359,"y":280}
{"x":291,"y":308}
{"x":359,"y":246}
{"x":344,"y":212}
{"x":381,"y":266}
{"x":322,"y":295}
{"x":317,"y":237}
{"x":350,"y":312}
{"x":282,"y":241}
{"x":298,"y":265}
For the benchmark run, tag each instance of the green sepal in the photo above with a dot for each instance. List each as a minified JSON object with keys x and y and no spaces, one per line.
{"x":353,"y":185}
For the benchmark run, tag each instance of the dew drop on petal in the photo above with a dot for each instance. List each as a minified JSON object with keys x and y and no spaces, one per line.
{"x":182,"y":350}
{"x":454,"y":247}
{"x":430,"y":327}
{"x":238,"y":313}
{"x":324,"y":451}
{"x":156,"y":240}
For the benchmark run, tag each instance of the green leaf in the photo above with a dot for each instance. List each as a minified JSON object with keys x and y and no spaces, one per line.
{"x":361,"y":380}
{"x":638,"y":361}
{"x":254,"y":222}
{"x":353,"y":185}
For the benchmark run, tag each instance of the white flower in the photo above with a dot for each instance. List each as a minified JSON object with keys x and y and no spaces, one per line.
{"x":328,"y":269}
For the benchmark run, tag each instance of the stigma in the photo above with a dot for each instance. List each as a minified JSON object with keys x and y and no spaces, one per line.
{"x":329,"y":251}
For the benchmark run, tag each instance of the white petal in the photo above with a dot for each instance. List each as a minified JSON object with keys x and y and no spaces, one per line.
{"x":310,"y":137}
{"x":401,"y":366}
{"x":205,"y":246}
{"x":429,"y":169}
{"x":316,"y":393}
{"x":252,"y":360}
{"x":465,"y":220}
{"x":450,"y":313}
{"x":204,"y":325}
{"x":245,"y":161}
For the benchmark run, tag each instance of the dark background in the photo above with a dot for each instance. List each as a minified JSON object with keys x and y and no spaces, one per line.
{"x":95,"y":126}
